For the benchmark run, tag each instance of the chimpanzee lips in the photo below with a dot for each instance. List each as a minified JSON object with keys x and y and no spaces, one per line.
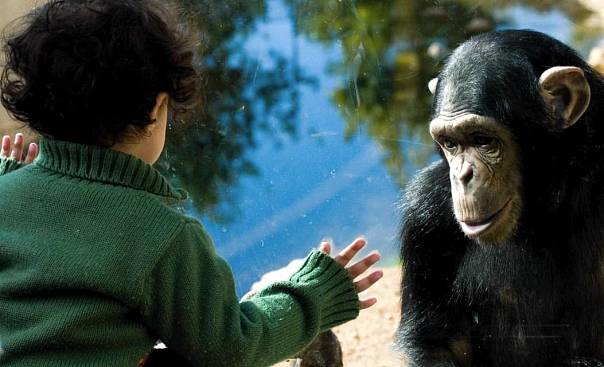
{"x":473,"y":228}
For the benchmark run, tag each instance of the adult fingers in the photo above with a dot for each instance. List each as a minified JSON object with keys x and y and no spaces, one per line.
{"x":362,"y":266}
{"x":367,"y":303}
{"x":32,"y":153}
{"x":17,"y":152}
{"x":5,"y":146}
{"x":344,"y":257}
{"x":365,"y":283}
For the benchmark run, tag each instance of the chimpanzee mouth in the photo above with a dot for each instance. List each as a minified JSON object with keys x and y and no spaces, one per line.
{"x":473,"y":228}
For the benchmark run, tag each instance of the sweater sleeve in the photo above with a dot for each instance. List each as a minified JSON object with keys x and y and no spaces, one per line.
{"x":9,"y":164}
{"x":189,"y":301}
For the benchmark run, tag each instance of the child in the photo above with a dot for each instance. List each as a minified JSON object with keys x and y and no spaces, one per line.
{"x":95,"y":265}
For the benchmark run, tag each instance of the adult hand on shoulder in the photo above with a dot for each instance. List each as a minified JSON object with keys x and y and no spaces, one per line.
{"x":16,"y":151}
{"x":358,"y":269}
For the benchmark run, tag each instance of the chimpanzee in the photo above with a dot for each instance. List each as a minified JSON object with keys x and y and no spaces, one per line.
{"x":503,"y":237}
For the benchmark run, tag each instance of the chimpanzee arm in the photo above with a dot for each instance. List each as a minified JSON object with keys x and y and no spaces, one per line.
{"x":432,"y":245}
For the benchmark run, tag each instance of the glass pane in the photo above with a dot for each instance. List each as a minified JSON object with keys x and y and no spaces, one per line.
{"x":316,"y":114}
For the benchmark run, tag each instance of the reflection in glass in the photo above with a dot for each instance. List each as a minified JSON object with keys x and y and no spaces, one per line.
{"x":316,"y":113}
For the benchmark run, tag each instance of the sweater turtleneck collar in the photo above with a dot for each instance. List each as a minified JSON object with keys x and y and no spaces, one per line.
{"x":104,"y":165}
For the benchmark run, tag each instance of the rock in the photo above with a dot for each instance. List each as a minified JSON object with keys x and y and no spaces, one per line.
{"x":324,"y":351}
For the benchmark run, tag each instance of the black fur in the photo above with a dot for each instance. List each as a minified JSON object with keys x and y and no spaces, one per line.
{"x":539,"y":299}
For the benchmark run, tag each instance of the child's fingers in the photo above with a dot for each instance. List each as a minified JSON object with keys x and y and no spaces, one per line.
{"x":325,"y":247}
{"x":349,"y":252}
{"x":362,"y":266}
{"x":17,"y":152}
{"x":32,"y":153}
{"x":367,"y":303}
{"x":5,"y":146}
{"x":363,"y":284}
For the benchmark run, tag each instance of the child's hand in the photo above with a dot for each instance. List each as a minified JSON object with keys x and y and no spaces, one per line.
{"x":17,"y":150}
{"x":359,"y":268}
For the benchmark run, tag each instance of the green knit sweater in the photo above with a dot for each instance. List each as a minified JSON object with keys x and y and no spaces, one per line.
{"x":95,"y":266}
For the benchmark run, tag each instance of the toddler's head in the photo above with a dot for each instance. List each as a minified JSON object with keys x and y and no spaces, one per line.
{"x":91,"y":71}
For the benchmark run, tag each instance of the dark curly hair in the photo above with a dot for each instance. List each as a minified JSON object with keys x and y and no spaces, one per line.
{"x":89,"y":71}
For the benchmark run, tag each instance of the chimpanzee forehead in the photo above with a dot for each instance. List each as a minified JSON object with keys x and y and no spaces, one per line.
{"x":484,"y":80}
{"x":463,"y":123}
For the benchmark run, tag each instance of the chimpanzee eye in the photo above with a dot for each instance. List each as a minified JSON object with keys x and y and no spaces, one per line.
{"x":483,"y":141}
{"x":448,"y":144}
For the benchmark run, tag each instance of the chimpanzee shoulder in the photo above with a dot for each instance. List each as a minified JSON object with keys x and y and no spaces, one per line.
{"x":432,"y":243}
{"x":432,"y":247}
{"x":426,"y":196}
{"x":427,"y":209}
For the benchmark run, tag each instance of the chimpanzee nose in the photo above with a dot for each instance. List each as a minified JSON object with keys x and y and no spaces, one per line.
{"x":465,"y":173}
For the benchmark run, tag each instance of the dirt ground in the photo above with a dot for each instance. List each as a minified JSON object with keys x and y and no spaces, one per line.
{"x":367,"y":341}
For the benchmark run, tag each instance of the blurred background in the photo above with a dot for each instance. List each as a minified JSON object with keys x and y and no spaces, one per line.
{"x":317,"y":110}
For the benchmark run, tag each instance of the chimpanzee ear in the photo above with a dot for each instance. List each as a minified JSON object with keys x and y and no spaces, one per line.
{"x":432,"y":85}
{"x":566,"y":90}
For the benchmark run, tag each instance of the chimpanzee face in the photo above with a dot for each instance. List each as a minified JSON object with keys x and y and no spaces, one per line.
{"x":485,"y":159}
{"x":484,"y":173}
